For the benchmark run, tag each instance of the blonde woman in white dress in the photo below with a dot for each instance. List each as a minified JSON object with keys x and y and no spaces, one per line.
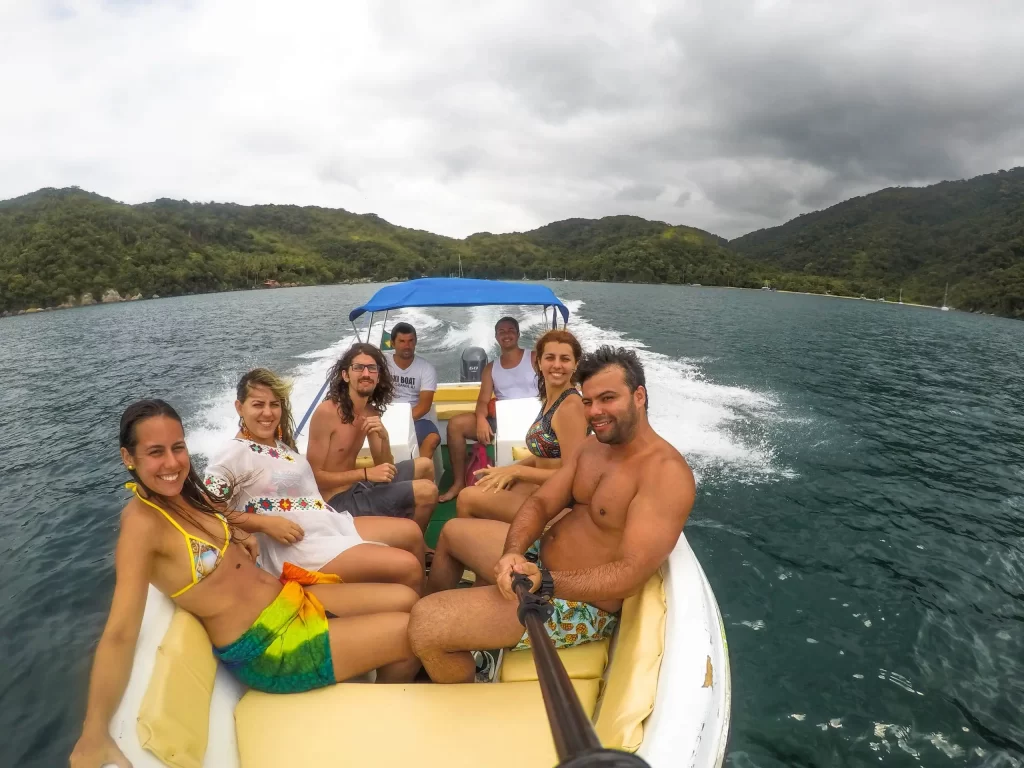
{"x":272,"y":487}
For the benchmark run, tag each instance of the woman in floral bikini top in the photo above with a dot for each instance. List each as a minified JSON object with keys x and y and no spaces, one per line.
{"x":559,"y":428}
{"x":541,"y":439}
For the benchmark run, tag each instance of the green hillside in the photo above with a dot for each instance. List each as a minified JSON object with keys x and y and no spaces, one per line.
{"x":56,"y":245}
{"x":969,"y":234}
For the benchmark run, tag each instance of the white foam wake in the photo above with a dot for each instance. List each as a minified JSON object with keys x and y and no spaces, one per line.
{"x":479,"y":330}
{"x":719,"y":429}
{"x":714,"y":426}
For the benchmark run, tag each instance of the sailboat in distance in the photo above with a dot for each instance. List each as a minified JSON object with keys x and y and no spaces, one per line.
{"x":944,"y":297}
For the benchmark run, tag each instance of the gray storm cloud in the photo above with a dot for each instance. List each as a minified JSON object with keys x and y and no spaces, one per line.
{"x":458,"y":117}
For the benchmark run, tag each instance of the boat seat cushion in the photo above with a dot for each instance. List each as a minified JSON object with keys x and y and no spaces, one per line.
{"x":584,"y":662}
{"x":174,"y":717}
{"x":520,"y":452}
{"x":498,"y":725}
{"x":448,"y":411}
{"x":467,"y":393}
{"x":632,"y":680}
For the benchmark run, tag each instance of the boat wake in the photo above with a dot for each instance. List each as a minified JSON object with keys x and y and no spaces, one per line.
{"x":721,"y":430}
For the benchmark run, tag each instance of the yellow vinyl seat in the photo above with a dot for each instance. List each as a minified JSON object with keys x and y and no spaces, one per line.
{"x":394,"y":726}
{"x":174,"y":717}
{"x":584,"y":662}
{"x":450,"y":401}
{"x":630,"y":680}
{"x":466,"y":393}
{"x":498,"y":725}
{"x":448,"y":411}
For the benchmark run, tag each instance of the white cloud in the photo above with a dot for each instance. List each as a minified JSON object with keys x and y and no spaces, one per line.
{"x":459,"y":116}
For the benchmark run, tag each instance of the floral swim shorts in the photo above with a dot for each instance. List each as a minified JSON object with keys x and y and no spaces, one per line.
{"x":573,"y":622}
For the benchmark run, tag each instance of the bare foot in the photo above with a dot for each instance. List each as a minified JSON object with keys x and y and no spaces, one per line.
{"x":451,"y":493}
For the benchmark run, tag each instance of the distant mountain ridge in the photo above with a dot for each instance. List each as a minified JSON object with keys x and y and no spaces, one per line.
{"x":60,"y":246}
{"x":65,"y":247}
{"x":969,"y":234}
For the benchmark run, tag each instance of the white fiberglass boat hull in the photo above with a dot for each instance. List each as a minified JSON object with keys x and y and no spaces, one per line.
{"x":689,"y":725}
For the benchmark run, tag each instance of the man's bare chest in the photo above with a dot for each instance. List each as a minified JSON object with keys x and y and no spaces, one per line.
{"x":607,"y":488}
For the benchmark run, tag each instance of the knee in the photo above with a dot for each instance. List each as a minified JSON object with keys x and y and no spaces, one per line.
{"x":424,"y":636}
{"x":424,"y":491}
{"x":443,"y":539}
{"x":406,"y":597}
{"x":410,"y":573}
{"x":423,"y":468}
{"x":412,"y":538}
{"x":459,"y":426}
{"x":465,"y":503}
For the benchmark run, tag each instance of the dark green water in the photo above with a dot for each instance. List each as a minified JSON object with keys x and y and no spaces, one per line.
{"x":859,"y":515}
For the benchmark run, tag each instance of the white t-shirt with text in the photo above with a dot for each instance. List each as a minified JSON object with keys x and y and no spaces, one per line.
{"x":421,"y":376}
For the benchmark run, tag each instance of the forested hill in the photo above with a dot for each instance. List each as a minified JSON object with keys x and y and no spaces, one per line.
{"x":967,"y":233}
{"x":66,"y":247}
{"x":56,"y":246}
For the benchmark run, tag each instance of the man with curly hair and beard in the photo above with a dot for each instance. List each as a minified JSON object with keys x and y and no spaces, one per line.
{"x":359,"y":391}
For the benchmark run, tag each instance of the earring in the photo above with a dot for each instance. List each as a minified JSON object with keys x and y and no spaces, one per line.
{"x":131,"y":467}
{"x":244,"y":429}
{"x":280,"y":432}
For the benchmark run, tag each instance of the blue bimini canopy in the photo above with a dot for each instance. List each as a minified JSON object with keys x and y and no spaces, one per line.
{"x":459,"y":292}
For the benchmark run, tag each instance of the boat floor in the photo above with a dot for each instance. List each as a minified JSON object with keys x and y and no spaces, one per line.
{"x":446,"y":511}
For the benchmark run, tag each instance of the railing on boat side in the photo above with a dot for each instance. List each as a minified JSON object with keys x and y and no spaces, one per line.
{"x":312,"y":407}
{"x":575,"y":739}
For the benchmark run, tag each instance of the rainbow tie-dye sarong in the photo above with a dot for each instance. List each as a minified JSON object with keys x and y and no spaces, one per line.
{"x":287,"y":649}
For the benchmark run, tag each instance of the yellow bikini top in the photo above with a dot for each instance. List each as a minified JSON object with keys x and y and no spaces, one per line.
{"x":204,"y":555}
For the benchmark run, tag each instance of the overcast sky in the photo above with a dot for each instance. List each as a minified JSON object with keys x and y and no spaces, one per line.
{"x":458,"y":117}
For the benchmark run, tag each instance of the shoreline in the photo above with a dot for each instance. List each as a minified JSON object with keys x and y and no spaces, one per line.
{"x":139,"y":297}
{"x":859,"y":298}
{"x":108,"y":299}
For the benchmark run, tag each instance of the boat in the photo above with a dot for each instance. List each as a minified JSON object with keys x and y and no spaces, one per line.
{"x":945,"y":297}
{"x":660,"y":688}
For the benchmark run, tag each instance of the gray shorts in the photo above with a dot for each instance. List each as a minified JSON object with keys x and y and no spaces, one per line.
{"x":394,"y":499}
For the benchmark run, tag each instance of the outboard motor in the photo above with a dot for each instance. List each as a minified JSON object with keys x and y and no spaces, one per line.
{"x":473,"y":361}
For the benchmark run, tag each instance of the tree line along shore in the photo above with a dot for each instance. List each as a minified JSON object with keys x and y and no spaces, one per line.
{"x":61,"y":248}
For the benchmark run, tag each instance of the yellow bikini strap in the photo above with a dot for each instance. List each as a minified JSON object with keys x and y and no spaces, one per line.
{"x":135,"y":489}
{"x":227,"y":534}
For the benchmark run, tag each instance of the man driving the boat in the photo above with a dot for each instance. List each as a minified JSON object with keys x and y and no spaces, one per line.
{"x":360,"y":389}
{"x":415,"y":382}
{"x":512,"y":375}
{"x":630,"y":493}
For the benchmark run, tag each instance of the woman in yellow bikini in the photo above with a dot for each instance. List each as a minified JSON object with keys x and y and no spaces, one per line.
{"x":305,"y":634}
